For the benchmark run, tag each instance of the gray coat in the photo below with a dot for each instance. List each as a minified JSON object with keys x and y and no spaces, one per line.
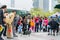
{"x":15,"y":21}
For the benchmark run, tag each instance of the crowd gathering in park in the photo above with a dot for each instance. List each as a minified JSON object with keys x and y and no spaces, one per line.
{"x":11,"y":23}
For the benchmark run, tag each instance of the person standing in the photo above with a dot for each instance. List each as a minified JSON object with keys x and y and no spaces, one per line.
{"x":54,"y":26}
{"x":2,"y":10}
{"x":13,"y":24}
{"x":32,"y":24}
{"x":45,"y":23}
{"x":16,"y":21}
{"x":5,"y":26}
{"x":36,"y":24}
{"x":24,"y":25}
{"x":8,"y":20}
{"x":20,"y":25}
{"x":40,"y":22}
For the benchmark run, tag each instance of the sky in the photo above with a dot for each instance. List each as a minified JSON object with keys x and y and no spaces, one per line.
{"x":24,"y":4}
{"x":19,"y":4}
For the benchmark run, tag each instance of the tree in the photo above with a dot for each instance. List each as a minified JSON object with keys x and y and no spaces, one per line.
{"x":36,"y":12}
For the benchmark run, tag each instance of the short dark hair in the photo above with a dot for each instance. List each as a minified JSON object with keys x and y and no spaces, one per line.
{"x":4,"y":6}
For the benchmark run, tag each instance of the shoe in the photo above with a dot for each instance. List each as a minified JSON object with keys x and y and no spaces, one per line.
{"x":9,"y":37}
{"x":48,"y":33}
{"x":53,"y":34}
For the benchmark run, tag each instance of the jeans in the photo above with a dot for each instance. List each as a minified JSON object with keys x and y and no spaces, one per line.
{"x":20,"y":28}
{"x":40,"y":27}
{"x":36,"y":27}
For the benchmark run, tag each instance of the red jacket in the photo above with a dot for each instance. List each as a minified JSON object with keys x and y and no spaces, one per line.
{"x":19,"y":22}
{"x":37,"y":20}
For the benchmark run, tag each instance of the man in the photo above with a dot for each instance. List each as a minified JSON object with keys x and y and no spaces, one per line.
{"x":2,"y":10}
{"x":37,"y":24}
{"x":13,"y":24}
{"x":24,"y":25}
{"x":4,"y":24}
{"x":54,"y":26}
{"x":16,"y":21}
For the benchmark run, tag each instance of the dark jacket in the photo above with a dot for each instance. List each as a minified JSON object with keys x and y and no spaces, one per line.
{"x":24,"y":24}
{"x":1,"y":16}
{"x":53,"y":24}
{"x":15,"y":21}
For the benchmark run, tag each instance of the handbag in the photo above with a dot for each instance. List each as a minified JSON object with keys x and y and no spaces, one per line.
{"x":1,"y":28}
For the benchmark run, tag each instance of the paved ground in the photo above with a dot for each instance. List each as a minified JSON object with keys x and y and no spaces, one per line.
{"x":35,"y":36}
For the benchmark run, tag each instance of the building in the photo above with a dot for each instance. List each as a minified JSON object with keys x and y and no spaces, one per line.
{"x":36,"y":3}
{"x":41,"y":4}
{"x":46,"y":5}
{"x":12,"y":3}
{"x":52,"y":4}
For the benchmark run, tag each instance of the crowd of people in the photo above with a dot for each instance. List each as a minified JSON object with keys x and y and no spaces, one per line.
{"x":11,"y":23}
{"x":38,"y":24}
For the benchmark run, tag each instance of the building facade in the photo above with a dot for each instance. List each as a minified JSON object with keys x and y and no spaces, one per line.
{"x":52,"y":4}
{"x":36,"y":3}
{"x":46,"y":5}
{"x":12,"y":3}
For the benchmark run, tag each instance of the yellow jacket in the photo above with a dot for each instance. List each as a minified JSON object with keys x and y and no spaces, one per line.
{"x":32,"y":23}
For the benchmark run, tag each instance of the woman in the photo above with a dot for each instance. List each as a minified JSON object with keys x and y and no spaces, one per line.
{"x":45,"y":23}
{"x":9,"y":18}
{"x":32,"y":24}
{"x":20,"y":25}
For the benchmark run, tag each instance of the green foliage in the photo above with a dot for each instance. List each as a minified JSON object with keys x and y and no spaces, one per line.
{"x":57,"y":10}
{"x":38,"y":11}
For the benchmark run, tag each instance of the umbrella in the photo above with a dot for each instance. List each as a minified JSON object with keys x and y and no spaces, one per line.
{"x":57,"y":6}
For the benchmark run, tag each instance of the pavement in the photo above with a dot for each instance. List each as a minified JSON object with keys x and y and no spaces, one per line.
{"x":35,"y":36}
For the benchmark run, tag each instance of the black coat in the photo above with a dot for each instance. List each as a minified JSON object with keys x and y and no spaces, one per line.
{"x":1,"y":16}
{"x":53,"y":24}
